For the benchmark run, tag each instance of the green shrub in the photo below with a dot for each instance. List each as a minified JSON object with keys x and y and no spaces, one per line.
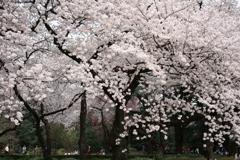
{"x":140,"y":158}
{"x":68,"y":159}
{"x":31,"y":158}
{"x":61,"y":151}
{"x":99,"y":159}
{"x":6,"y":158}
{"x":133,"y":150}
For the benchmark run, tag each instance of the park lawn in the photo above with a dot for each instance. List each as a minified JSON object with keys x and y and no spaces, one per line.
{"x":222,"y":158}
{"x":107,"y":157}
{"x":200,"y":158}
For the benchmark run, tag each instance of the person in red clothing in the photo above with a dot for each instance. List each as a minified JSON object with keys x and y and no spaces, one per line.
{"x":166,"y":150}
{"x":89,"y":150}
{"x":2,"y":150}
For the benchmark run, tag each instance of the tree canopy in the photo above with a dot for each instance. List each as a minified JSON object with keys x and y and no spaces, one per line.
{"x":183,"y":54}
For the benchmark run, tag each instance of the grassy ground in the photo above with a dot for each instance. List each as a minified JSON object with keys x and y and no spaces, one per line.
{"x":183,"y":157}
{"x":221,"y":158}
{"x":107,"y":157}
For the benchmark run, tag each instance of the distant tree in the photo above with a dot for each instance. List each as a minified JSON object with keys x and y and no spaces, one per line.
{"x":26,"y":135}
{"x":103,"y":114}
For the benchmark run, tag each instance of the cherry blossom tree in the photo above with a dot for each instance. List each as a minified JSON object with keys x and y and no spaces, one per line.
{"x":27,"y":79}
{"x":196,"y":79}
{"x":187,"y":50}
{"x":41,"y":109}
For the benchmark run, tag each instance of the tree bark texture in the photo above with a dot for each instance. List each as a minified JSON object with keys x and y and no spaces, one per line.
{"x":105,"y":133}
{"x":149,"y":148}
{"x":117,"y":128}
{"x":232,"y":147}
{"x":159,"y":147}
{"x":47,"y":150}
{"x":82,"y":138}
{"x":178,"y":139}
{"x":208,"y":150}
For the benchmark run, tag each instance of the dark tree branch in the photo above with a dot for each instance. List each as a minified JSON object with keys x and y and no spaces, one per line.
{"x":8,"y":130}
{"x":13,"y":128}
{"x":196,"y":117}
{"x":74,"y":99}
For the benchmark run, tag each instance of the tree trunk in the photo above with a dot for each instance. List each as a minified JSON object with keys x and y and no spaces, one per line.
{"x":159,"y":153}
{"x":46,"y":148}
{"x":82,"y":139}
{"x":107,"y":140}
{"x":208,"y":150}
{"x":117,"y":128}
{"x":232,"y":148}
{"x":178,"y":139}
{"x":105,"y":134}
{"x":47,"y":151}
{"x":149,"y":148}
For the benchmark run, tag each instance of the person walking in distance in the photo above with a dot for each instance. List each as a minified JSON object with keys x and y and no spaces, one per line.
{"x":7,"y":150}
{"x":197,"y":151}
{"x":20,"y":150}
{"x":36,"y":150}
{"x":24,"y":149}
{"x":143,"y":149}
{"x":89,"y":150}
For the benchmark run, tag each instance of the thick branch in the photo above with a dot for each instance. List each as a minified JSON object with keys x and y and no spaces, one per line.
{"x":13,"y":128}
{"x":196,"y":117}
{"x":74,"y":99}
{"x":8,"y":130}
